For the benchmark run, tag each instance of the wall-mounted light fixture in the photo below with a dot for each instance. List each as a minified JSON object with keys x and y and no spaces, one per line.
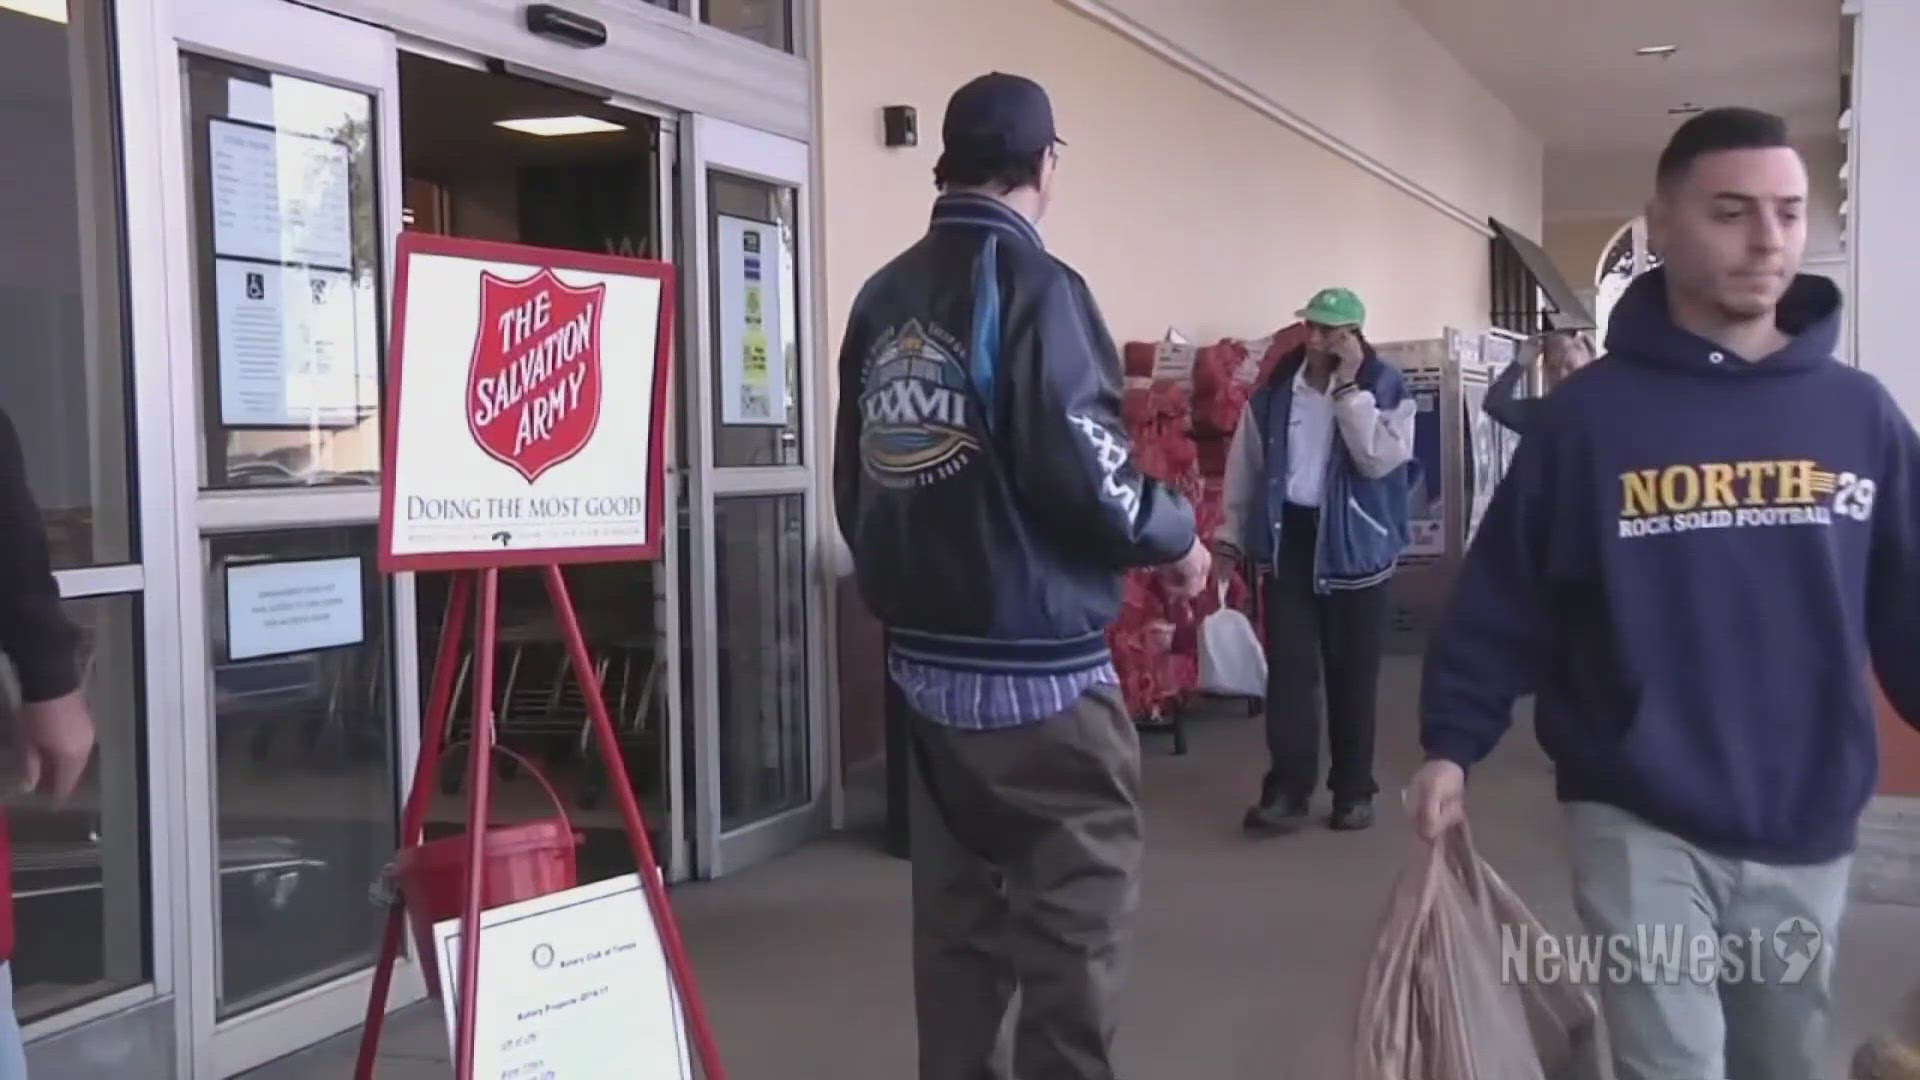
{"x":902,"y":125}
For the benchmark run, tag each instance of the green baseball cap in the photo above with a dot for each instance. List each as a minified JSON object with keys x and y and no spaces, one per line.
{"x":1334,"y":307}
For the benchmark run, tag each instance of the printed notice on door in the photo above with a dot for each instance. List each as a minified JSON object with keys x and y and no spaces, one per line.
{"x":573,"y":986}
{"x":278,"y":608}
{"x":753,"y":352}
{"x":288,"y":340}
{"x":279,"y":197}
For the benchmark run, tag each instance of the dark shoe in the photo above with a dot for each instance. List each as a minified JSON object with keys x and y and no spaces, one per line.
{"x":1352,"y":816}
{"x":1282,"y":815}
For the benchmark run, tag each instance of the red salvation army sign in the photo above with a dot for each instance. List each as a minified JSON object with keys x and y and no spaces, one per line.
{"x":526,"y":406}
{"x":533,"y":388}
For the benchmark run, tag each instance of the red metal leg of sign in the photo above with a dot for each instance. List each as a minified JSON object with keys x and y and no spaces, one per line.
{"x":413,"y":819}
{"x":649,"y":870}
{"x":479,"y":778}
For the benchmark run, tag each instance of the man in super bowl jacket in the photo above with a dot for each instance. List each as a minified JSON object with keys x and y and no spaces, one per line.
{"x":984,"y":484}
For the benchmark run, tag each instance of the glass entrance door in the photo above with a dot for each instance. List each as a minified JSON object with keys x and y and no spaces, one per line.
{"x":87,"y":889}
{"x":757,"y":599}
{"x":489,"y":156}
{"x":298,"y":689}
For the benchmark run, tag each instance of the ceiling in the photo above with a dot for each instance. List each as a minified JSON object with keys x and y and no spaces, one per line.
{"x":1567,"y":68}
{"x":447,"y":116}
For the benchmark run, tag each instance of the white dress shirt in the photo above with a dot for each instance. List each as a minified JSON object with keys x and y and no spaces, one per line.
{"x":1309,"y":442}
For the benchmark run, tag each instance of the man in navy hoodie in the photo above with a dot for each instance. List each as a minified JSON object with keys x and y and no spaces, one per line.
{"x":1708,"y":541}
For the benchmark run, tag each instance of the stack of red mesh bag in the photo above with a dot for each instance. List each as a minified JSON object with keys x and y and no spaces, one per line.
{"x":1153,"y":638}
{"x":1181,"y":408}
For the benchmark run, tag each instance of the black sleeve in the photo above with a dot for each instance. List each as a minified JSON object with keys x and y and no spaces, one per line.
{"x":1504,"y":404}
{"x":34,"y":631}
{"x":1072,"y":463}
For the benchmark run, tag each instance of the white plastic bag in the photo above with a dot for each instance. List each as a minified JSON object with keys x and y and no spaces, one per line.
{"x":1232,"y":664}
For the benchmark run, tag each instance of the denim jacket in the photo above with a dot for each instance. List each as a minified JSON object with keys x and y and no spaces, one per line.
{"x":1370,"y":475}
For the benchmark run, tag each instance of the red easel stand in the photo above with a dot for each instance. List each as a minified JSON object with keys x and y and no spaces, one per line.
{"x":479,"y":775}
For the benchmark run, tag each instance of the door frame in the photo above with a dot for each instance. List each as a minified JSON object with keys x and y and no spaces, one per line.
{"x":284,"y":38}
{"x":134,"y":290}
{"x":676,"y":859}
{"x":713,"y":145}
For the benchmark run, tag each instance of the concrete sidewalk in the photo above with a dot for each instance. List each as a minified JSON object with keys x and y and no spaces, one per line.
{"x":1250,"y":953}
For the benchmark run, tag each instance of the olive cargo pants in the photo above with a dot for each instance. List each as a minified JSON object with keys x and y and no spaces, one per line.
{"x":1026,"y":846}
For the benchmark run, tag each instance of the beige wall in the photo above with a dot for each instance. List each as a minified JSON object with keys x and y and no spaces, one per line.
{"x":1181,"y":206}
{"x":1368,"y":73}
{"x":1610,"y":183}
{"x":1575,"y":246}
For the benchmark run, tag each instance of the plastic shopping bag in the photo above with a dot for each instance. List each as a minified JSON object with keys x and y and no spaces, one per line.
{"x":1232,"y":664}
{"x":1436,"y":1003}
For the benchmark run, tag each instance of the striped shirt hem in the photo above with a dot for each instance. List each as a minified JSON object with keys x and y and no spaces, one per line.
{"x":989,"y":701}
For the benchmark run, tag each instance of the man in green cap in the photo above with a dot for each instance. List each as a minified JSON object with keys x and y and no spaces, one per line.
{"x":1316,"y":498}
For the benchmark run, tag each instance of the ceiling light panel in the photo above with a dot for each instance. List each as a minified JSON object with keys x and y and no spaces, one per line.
{"x":557,"y":126}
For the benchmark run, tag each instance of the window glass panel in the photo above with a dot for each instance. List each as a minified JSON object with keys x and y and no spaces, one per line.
{"x":303,"y":729}
{"x":769,"y":22}
{"x":63,"y":365}
{"x":287,"y":277}
{"x":756,"y":318}
{"x":540,"y":715}
{"x":80,"y":868}
{"x":760,"y":591}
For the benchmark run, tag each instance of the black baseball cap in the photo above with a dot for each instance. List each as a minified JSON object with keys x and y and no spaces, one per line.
{"x":999,"y":115}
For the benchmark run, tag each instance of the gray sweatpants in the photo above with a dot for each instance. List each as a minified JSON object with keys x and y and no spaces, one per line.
{"x":1026,"y":865}
{"x":1754,"y":1010}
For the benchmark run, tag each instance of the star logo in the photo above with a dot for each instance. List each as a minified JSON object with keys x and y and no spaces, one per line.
{"x":1797,"y":942}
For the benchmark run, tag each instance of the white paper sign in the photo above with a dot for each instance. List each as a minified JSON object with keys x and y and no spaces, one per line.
{"x":278,"y":608}
{"x":526,"y":410}
{"x":573,"y":986}
{"x":1482,"y":450}
{"x":753,"y":340}
{"x":289,"y":345}
{"x":250,"y":101}
{"x":279,"y":196}
{"x":1427,"y":512}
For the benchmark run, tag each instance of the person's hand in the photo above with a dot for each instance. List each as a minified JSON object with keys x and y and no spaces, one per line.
{"x":1562,"y":355}
{"x":1437,"y":798}
{"x":55,"y":740}
{"x":1347,"y":356}
{"x":1188,"y":576}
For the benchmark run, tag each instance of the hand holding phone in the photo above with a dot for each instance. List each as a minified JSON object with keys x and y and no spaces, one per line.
{"x":1348,"y":355}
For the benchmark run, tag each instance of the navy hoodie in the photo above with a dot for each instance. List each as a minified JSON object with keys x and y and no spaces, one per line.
{"x":1695,"y":562}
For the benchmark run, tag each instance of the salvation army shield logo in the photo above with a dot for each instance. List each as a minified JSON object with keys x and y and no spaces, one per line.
{"x":533,"y":386}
